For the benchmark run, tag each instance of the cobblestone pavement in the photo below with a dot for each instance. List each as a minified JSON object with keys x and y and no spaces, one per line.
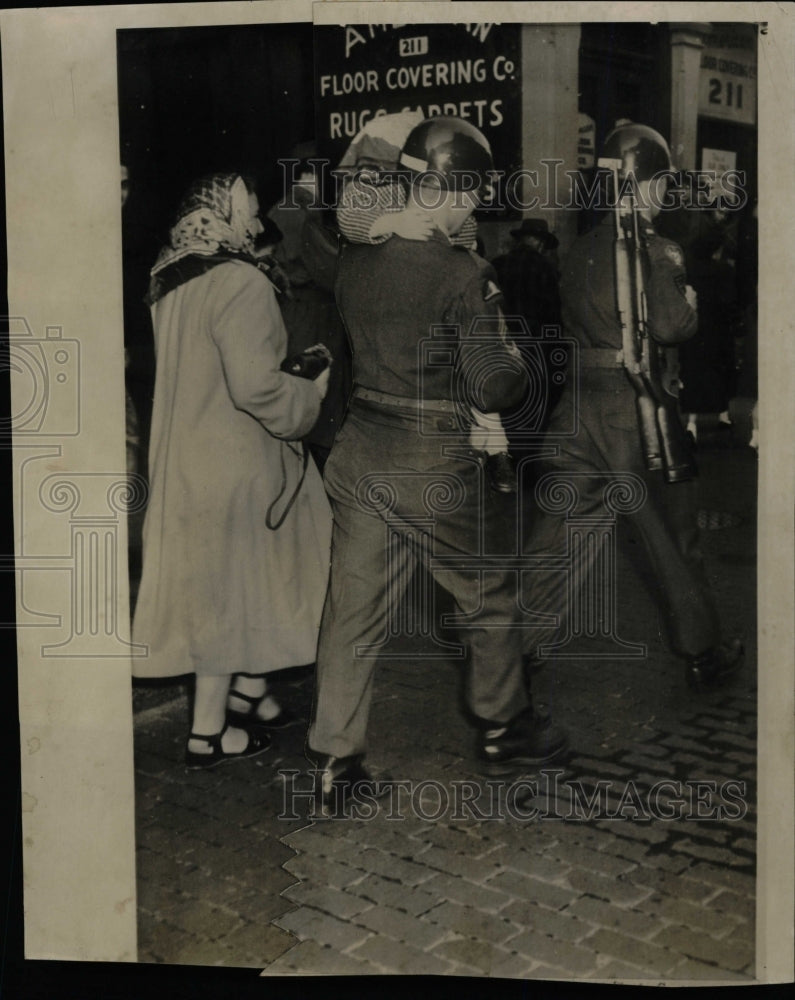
{"x":455,"y":877}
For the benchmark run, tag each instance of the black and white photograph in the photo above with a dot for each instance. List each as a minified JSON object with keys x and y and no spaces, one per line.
{"x":403,"y":491}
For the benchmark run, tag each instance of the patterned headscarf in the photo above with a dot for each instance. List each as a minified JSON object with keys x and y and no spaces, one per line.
{"x":213,"y":224}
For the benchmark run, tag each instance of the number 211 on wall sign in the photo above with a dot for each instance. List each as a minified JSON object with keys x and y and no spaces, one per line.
{"x":725,"y":92}
{"x":727,"y":89}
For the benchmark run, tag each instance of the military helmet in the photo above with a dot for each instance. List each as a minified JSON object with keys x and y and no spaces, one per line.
{"x":451,"y":150}
{"x":642,"y":151}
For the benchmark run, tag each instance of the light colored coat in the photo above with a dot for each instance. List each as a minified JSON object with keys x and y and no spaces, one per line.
{"x":220,"y":592}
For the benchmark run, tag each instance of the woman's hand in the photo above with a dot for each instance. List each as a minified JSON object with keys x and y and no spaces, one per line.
{"x":411,"y":224}
{"x":321,"y":382}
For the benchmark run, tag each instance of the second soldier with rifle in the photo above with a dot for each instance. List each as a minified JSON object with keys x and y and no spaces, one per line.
{"x":625,"y":301}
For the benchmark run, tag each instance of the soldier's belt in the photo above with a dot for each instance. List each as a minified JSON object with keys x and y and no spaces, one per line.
{"x":389,"y":401}
{"x":600,"y":357}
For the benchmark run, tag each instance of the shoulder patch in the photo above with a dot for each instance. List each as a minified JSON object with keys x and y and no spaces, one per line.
{"x":490,"y":290}
{"x":673,"y":253}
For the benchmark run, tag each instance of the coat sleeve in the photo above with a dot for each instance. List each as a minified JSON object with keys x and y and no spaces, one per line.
{"x":489,"y":364}
{"x":247,"y":326}
{"x":671,"y":318}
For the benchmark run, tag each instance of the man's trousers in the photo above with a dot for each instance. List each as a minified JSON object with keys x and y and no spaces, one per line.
{"x":397,"y":499}
{"x":607,"y":445}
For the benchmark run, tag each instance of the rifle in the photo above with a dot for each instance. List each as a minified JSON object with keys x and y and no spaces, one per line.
{"x":663,"y":438}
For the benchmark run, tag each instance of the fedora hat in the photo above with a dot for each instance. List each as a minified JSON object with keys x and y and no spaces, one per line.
{"x":536,"y":227}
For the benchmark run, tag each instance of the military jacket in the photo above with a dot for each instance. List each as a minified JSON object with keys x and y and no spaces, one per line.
{"x":392,"y":296}
{"x":588,"y":290}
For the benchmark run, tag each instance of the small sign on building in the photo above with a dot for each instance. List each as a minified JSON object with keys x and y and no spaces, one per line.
{"x":586,"y":142}
{"x":719,"y":162}
{"x":727,"y":82}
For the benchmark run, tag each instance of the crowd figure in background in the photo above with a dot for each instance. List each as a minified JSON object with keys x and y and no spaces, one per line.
{"x":528,"y":276}
{"x":139,"y":247}
{"x":306,"y":256}
{"x":747,"y":287}
{"x":707,"y":361}
{"x":720,"y":247}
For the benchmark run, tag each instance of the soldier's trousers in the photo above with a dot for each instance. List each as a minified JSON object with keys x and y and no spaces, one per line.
{"x":397,"y":499}
{"x":608,"y":444}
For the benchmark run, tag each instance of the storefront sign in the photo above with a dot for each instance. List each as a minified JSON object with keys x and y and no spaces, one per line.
{"x":727,"y":83}
{"x":469,"y":70}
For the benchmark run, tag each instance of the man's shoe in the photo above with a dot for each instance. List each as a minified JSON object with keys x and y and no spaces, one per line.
{"x":340,"y":782}
{"x":501,"y":472}
{"x":715,"y":667}
{"x":528,"y":741}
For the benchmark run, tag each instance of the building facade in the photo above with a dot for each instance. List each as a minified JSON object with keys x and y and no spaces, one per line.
{"x":693,"y":82}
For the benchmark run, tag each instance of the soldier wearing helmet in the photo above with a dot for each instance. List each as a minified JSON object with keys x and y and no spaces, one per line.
{"x":405,"y":437}
{"x":449,"y":153}
{"x":643,"y":151}
{"x":608,"y":441}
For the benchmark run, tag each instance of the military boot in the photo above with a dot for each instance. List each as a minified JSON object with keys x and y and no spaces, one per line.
{"x":342,"y":781}
{"x":528,"y":741}
{"x":715,"y":667}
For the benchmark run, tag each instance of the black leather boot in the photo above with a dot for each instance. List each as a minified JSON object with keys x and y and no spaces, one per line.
{"x":339,"y":781}
{"x":716,"y":667}
{"x":530,"y":740}
{"x":501,"y":472}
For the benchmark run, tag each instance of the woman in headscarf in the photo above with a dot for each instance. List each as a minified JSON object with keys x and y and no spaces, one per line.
{"x":237,"y":531}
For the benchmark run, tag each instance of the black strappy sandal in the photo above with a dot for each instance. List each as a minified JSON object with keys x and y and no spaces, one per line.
{"x":257,"y":743}
{"x":250,"y":719}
